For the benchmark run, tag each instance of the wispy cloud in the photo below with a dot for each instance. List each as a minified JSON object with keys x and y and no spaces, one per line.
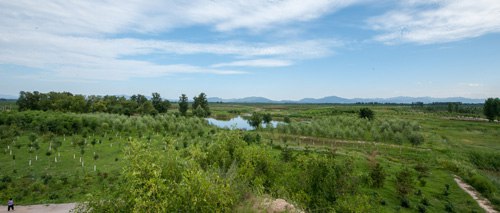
{"x":97,"y":17}
{"x":110,"y":59}
{"x":256,"y":63}
{"x":77,"y":39}
{"x":437,"y":21}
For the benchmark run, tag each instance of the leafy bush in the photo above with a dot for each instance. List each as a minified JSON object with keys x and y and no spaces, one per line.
{"x":348,"y":127}
{"x":366,"y":113}
{"x":482,"y":185}
{"x":404,"y":182}
{"x":377,"y":175}
{"x":485,"y":160}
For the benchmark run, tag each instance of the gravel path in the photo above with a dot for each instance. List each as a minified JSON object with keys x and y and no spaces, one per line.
{"x":483,"y":202}
{"x":52,"y":208}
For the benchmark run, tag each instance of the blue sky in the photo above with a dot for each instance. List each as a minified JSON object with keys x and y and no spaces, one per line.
{"x":278,"y":49}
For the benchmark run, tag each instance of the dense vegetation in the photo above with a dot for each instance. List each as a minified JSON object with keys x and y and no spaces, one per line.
{"x":324,"y":158}
{"x":136,"y":104}
{"x":492,"y":108}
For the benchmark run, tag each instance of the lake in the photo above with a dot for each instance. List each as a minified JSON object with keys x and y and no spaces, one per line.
{"x":236,"y":123}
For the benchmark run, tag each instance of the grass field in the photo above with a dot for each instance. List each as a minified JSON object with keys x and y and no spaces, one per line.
{"x":64,"y":149}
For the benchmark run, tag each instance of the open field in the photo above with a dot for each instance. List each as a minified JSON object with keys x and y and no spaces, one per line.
{"x":323,"y":160}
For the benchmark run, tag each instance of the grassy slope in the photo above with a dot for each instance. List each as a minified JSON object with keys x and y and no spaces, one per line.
{"x":447,"y":139}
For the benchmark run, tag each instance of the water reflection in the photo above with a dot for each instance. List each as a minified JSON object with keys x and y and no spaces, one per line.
{"x":236,"y":123}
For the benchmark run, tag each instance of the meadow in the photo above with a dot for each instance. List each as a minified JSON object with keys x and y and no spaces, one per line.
{"x":324,"y":159}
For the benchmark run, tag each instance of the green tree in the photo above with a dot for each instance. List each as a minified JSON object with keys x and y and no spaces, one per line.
{"x":201,"y":101}
{"x":139,"y":99}
{"x":147,"y":109}
{"x":159,"y":104}
{"x":404,"y":183}
{"x":199,"y":112}
{"x":267,"y":118}
{"x":28,"y":101}
{"x":377,"y":175}
{"x":366,"y":113}
{"x":491,"y":108}
{"x":255,"y":120}
{"x":416,"y":139}
{"x":183,"y":104}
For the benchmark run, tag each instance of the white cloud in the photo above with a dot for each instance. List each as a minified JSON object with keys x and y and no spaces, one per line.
{"x":260,"y":14}
{"x":72,"y":39}
{"x":256,"y":63}
{"x":104,"y":59}
{"x":437,"y":21}
{"x":97,"y":17}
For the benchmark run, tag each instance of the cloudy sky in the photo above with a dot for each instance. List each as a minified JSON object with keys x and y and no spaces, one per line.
{"x":279,"y":49}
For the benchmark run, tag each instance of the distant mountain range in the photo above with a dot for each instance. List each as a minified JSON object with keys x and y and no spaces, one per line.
{"x":326,"y":100}
{"x":2,"y":96}
{"x":340,"y":100}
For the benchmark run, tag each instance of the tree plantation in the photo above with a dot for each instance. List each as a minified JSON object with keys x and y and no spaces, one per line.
{"x":113,"y":154}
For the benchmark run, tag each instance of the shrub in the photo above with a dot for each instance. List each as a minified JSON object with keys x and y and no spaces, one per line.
{"x":366,"y":113}
{"x":416,"y":139}
{"x":446,"y":191}
{"x":424,"y":201}
{"x":405,"y":202}
{"x":448,"y":207}
{"x":377,"y":175}
{"x":404,"y":182}
{"x":422,"y":208}
{"x":482,"y":185}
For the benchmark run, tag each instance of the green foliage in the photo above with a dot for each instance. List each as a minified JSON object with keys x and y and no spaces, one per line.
{"x":416,"y":139}
{"x":485,"y":160}
{"x":448,"y":207}
{"x":492,"y":108}
{"x":404,"y":183}
{"x":446,"y":190}
{"x":323,"y":180}
{"x":183,"y":105}
{"x":255,"y":120}
{"x":200,"y":112}
{"x":200,"y":106}
{"x":482,"y":185}
{"x":159,"y":104}
{"x":251,"y":138}
{"x":366,"y":113}
{"x":267,"y":118}
{"x":377,"y":175}
{"x":67,"y":102}
{"x":287,"y":154}
{"x":287,"y":120}
{"x":348,"y":127}
{"x":171,"y":163}
{"x":152,"y":183}
{"x":355,"y":204}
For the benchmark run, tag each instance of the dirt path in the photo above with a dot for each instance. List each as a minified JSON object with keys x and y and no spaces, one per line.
{"x":52,"y":208}
{"x":483,"y":202}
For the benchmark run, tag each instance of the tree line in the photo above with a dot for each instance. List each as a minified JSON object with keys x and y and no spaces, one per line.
{"x":136,"y":104}
{"x":492,"y":108}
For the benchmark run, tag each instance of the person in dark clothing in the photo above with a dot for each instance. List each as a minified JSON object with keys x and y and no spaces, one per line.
{"x":10,"y":205}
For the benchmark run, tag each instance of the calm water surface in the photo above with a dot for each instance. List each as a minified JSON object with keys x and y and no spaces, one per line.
{"x":236,"y":123}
